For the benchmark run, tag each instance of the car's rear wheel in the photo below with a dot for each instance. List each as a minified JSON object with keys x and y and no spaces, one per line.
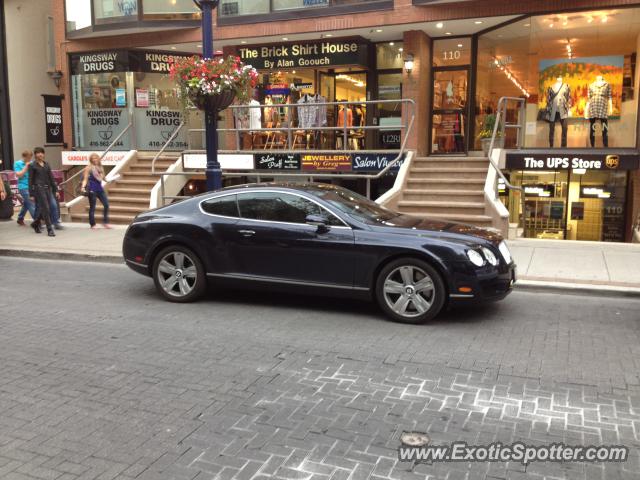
{"x":179,"y":275}
{"x":410,"y":290}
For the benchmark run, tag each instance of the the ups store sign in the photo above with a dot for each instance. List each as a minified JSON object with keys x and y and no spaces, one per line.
{"x":346,"y":51}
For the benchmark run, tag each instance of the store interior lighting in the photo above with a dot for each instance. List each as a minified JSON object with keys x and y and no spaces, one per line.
{"x":511,"y":77}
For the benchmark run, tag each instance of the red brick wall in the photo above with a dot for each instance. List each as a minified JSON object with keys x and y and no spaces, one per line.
{"x":417,"y":86}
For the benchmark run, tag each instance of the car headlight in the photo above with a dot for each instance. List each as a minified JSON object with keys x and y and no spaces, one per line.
{"x":491,"y":258}
{"x":475,"y":258}
{"x":506,"y":254}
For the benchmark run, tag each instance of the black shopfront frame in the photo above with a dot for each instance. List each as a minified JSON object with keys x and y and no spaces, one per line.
{"x":6,"y":138}
{"x":470,"y":106}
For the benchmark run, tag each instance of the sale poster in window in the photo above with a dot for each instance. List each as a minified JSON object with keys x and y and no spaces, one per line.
{"x":578,"y":74}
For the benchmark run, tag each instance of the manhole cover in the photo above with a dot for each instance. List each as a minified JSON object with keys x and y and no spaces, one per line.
{"x":414,"y":439}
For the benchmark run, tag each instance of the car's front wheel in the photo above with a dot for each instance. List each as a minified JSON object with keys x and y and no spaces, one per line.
{"x":179,"y":275}
{"x":410,"y":290}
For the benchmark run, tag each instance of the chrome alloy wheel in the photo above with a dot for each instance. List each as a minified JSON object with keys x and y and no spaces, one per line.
{"x":177,"y":274}
{"x":409,"y":291}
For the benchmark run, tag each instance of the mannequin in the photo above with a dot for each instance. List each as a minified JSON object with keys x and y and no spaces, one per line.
{"x":599,"y":107}
{"x":559,"y":105}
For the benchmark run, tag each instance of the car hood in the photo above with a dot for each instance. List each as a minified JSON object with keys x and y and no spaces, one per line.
{"x":428,"y":227}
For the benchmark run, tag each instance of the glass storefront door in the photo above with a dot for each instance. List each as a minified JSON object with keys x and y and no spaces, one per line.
{"x":450,"y":110}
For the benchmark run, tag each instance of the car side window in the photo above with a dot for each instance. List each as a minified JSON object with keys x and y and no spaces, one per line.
{"x":226,"y":206}
{"x":281,"y":207}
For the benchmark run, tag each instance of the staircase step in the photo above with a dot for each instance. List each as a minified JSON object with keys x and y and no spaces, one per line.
{"x":150,"y":182}
{"x":449,"y":184}
{"x":124,"y":209}
{"x":145,"y":168}
{"x":113,"y":199}
{"x":481,"y":220}
{"x":141,"y":193}
{"x":453,"y":163}
{"x":120,"y":219}
{"x":428,"y":207}
{"x":448,"y":173}
{"x":427,"y":194}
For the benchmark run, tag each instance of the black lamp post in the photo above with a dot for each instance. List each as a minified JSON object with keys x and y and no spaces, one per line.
{"x":213,"y":171}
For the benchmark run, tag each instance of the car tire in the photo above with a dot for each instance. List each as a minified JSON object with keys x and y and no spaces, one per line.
{"x":410,"y":290}
{"x":178,"y":274}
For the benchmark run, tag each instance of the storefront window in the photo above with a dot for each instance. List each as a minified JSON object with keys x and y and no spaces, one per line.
{"x":563,"y":204}
{"x":170,"y":8}
{"x":78,"y":14}
{"x":101,"y":110}
{"x":562,"y":61}
{"x":390,"y":114}
{"x":452,"y":52}
{"x":288,"y":4}
{"x":157,"y":113}
{"x":389,"y":56}
{"x":120,"y":10}
{"x":229,"y":8}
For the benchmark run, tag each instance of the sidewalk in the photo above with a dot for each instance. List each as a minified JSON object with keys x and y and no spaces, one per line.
{"x":76,"y":242}
{"x":584,"y":265}
{"x":542,"y":264}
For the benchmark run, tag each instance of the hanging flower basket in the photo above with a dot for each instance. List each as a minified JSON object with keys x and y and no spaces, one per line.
{"x":213,"y":84}
{"x":214,"y":102}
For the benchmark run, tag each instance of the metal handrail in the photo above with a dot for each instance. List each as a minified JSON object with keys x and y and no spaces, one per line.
{"x":406,"y":127}
{"x":502,"y":112}
{"x":108,"y":149}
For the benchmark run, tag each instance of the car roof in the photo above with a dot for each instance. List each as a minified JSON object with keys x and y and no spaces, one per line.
{"x":302,"y":187}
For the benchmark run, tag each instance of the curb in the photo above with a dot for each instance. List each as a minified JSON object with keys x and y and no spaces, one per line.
{"x":521,"y":285}
{"x":576,"y":288}
{"x":74,"y":257}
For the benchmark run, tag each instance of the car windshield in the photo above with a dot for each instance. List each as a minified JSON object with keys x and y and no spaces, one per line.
{"x":357,"y":206}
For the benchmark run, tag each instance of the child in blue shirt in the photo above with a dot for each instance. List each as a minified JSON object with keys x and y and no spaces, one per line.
{"x":21,"y":167}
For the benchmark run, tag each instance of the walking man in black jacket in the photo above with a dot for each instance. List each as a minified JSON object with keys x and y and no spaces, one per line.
{"x":41,"y":187}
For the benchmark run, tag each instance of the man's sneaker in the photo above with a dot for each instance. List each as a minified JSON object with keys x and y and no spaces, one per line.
{"x":107,"y":226}
{"x":51,"y":233}
{"x":21,"y":222}
{"x":36,"y":227}
{"x":58,"y":226}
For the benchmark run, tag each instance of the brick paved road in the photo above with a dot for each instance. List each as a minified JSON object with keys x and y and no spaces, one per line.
{"x":104,"y":380}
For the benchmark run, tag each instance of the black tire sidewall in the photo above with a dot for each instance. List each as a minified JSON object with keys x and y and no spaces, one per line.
{"x":201,"y":278}
{"x":439,"y":290}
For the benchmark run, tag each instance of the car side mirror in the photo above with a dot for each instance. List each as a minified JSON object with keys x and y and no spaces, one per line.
{"x":320,"y":222}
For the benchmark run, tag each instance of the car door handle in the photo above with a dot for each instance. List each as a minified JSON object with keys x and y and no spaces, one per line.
{"x":246,"y":233}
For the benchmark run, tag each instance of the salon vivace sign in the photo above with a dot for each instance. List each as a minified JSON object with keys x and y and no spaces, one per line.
{"x":302,"y":54}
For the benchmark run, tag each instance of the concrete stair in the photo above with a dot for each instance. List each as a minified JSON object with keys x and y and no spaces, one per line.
{"x":447,"y":188}
{"x":130,"y":194}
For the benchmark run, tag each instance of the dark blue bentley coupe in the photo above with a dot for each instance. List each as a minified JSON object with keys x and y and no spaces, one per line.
{"x":317,"y":238}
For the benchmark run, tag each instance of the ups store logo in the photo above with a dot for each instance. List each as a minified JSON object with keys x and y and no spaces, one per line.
{"x":612,"y":161}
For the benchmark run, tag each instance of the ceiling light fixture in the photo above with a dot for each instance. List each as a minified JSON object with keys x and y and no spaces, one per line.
{"x":448,"y":33}
{"x":604,"y":19}
{"x":285,"y":38}
{"x":328,"y":35}
{"x":391,"y":44}
{"x":459,"y":45}
{"x":478,"y":22}
{"x":173,"y":48}
{"x":439,"y":25}
{"x":379,"y":30}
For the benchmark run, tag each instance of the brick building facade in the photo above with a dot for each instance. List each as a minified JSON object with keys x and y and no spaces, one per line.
{"x":466,"y":55}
